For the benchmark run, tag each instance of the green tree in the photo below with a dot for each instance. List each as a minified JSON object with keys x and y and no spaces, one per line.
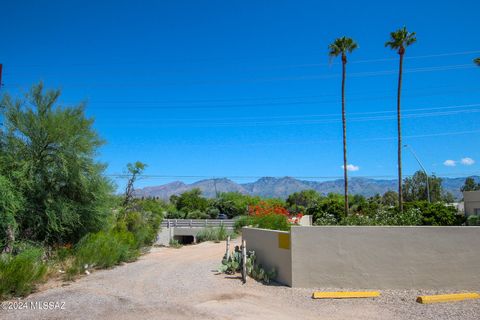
{"x":415,"y":188}
{"x":470,"y":185}
{"x":134,"y":171}
{"x":400,"y":40}
{"x":300,"y":201}
{"x":190,"y":201}
{"x":342,"y":46}
{"x":49,"y":156}
{"x":328,"y":211}
{"x":390,"y":198}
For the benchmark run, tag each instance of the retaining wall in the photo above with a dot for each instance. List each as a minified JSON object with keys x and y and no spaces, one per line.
{"x":373,"y":257}
{"x":272,"y":249}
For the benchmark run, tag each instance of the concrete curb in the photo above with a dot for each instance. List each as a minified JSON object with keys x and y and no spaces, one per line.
{"x":447,"y":297}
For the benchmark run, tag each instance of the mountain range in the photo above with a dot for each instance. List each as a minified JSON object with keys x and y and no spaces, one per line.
{"x":282,"y":187}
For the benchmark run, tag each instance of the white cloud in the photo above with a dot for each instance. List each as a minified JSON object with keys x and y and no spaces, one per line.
{"x":351,"y":167}
{"x":450,"y":163}
{"x":467,"y":161}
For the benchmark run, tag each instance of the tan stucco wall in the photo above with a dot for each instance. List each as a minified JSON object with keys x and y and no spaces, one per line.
{"x":386,"y":257}
{"x":471,"y":201}
{"x":266,"y":246}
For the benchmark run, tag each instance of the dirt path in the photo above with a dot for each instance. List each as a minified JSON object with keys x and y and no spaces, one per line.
{"x":183,"y":284}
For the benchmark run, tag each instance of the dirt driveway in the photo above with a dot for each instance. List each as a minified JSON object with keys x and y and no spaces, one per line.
{"x":183,"y":284}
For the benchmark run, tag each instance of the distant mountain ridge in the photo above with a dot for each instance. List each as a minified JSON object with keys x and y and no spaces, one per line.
{"x":270,"y":187}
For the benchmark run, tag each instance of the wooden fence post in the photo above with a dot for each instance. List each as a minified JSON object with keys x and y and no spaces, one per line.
{"x":227,"y":253}
{"x":244,"y":261}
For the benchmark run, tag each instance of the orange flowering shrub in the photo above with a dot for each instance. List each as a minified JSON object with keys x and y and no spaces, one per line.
{"x":263,"y":209}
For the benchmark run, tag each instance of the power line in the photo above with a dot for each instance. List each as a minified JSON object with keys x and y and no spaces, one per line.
{"x":229,"y":59}
{"x":102,"y":104}
{"x":253,"y":80}
{"x":194,"y":123}
{"x":296,"y":143}
{"x":405,"y":111}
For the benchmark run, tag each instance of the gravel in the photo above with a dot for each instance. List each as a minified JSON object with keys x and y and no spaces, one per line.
{"x":183,"y":284}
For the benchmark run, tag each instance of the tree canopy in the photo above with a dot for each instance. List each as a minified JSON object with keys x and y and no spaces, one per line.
{"x":341,"y":46}
{"x":48,"y":154}
{"x":400,"y":39}
{"x":470,"y":185}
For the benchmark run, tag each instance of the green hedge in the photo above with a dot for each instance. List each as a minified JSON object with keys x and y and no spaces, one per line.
{"x":19,"y":273}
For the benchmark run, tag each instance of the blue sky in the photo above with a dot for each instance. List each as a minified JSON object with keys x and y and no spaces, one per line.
{"x":246,"y":88}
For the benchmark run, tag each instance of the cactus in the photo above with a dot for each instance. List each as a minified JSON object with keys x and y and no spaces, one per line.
{"x":234,"y":263}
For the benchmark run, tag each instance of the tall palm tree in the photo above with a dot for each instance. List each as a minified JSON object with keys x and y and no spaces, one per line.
{"x":340,"y":47}
{"x":477,"y":61}
{"x":399,"y":40}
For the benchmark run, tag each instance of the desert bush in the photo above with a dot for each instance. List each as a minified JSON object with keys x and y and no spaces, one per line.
{"x":173,"y":243}
{"x":385,"y":217}
{"x":268,"y":215}
{"x":436,"y":214}
{"x":473,"y":220}
{"x":241,"y":222}
{"x":20,"y":273}
{"x":214,"y":234}
{"x":329,"y":210}
{"x":143,"y":220}
{"x":105,"y":249}
{"x":272,"y":222}
{"x":197,"y":214}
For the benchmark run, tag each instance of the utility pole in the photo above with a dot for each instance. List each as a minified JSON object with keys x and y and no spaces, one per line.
{"x":423,"y":168}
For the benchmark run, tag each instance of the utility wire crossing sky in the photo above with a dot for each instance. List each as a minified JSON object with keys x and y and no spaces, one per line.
{"x":244,"y":90}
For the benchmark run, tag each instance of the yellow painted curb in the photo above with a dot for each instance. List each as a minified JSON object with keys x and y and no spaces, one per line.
{"x":447,"y":297}
{"x":345,"y":294}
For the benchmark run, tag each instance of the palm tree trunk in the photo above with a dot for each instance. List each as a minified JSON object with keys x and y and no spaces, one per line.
{"x":345,"y":176}
{"x":399,"y":127}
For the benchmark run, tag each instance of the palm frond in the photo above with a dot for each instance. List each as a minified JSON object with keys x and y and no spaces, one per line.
{"x":477,"y":61}
{"x":341,"y":46}
{"x":400,"y":39}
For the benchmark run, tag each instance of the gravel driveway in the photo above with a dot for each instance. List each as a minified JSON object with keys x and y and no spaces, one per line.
{"x":183,"y":284}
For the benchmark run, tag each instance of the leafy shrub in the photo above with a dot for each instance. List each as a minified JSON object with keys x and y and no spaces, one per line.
{"x":19,"y":273}
{"x":385,"y":217}
{"x":143,"y":220}
{"x":173,"y":243}
{"x":272,"y":222}
{"x":473,"y":220}
{"x":436,"y":214}
{"x":329,"y":210}
{"x":197,"y":214}
{"x":272,"y":216}
{"x":213,"y":234}
{"x":324,"y":219}
{"x":104,"y":250}
{"x":241,"y":222}
{"x":212,"y":213}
